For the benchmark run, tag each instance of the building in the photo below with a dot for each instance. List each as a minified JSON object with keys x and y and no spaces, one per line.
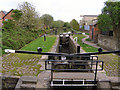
{"x":94,"y":31}
{"x":87,"y":20}
{"x":4,"y":16}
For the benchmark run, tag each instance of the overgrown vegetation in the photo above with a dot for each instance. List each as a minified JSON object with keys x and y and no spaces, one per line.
{"x":22,"y":29}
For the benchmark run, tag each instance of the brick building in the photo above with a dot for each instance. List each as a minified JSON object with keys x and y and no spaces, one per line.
{"x":4,"y":16}
{"x":94,"y":31}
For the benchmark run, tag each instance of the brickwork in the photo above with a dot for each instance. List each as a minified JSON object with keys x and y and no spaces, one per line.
{"x":5,"y":17}
{"x":1,"y":16}
{"x":94,"y":34}
{"x":8,"y":15}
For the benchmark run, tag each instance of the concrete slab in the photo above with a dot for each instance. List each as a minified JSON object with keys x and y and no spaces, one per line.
{"x":43,"y":80}
{"x":26,"y":82}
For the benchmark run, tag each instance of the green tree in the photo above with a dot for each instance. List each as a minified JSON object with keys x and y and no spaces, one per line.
{"x":58,"y":24}
{"x":112,"y":11}
{"x":30,"y":18}
{"x":22,"y":28}
{"x":7,"y":25}
{"x":74,"y":24}
{"x":104,"y":22}
{"x":67,"y":25}
{"x":47,"y":20}
{"x":16,"y":14}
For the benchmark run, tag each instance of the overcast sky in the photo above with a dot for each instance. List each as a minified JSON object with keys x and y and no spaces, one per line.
{"x":65,"y":10}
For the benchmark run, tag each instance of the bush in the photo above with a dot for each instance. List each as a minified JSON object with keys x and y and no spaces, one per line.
{"x":17,"y":38}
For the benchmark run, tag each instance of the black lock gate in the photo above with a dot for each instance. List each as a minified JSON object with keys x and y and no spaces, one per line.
{"x":68,"y":63}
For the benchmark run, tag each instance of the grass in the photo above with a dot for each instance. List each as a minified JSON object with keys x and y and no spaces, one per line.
{"x":111,"y":64}
{"x":88,"y":39}
{"x":111,"y":61}
{"x":26,"y":64}
{"x":45,"y":45}
{"x":87,"y":33}
{"x":86,"y":47}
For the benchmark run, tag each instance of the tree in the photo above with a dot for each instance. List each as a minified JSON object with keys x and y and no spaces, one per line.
{"x":16,"y":14}
{"x":58,"y":24}
{"x":30,"y":18}
{"x":47,"y":20}
{"x":112,"y":10}
{"x":67,"y":25}
{"x":74,"y":24}
{"x":104,"y":22}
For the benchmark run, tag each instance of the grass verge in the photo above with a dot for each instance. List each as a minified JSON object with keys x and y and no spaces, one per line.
{"x":45,"y":45}
{"x":86,"y":47}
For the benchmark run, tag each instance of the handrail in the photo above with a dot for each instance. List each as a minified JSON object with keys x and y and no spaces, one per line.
{"x":60,"y":54}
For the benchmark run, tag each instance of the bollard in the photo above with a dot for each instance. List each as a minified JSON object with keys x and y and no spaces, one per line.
{"x":60,"y":47}
{"x":44,"y":37}
{"x":78,"y":49}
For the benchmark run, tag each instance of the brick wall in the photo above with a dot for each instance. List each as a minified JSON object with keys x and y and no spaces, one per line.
{"x":95,"y":32}
{"x":8,"y":16}
{"x":9,"y":81}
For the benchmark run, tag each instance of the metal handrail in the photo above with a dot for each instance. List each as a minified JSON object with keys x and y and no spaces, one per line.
{"x":59,"y":54}
{"x":73,"y":62}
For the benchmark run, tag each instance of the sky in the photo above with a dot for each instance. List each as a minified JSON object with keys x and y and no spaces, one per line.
{"x":64,"y":10}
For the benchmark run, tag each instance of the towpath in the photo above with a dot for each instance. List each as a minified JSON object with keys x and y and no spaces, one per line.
{"x":89,"y":43}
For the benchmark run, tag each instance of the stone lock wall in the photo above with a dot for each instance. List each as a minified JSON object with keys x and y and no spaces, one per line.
{"x":9,"y":81}
{"x":108,"y":42}
{"x":73,"y":45}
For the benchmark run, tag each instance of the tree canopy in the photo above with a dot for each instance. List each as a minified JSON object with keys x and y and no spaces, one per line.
{"x":104,"y":22}
{"x":111,"y":17}
{"x":74,"y":24}
{"x":47,"y":20}
{"x":30,"y":18}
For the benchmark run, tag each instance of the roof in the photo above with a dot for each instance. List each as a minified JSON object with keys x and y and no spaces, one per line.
{"x":7,"y":13}
{"x":3,"y":12}
{"x":90,"y":16}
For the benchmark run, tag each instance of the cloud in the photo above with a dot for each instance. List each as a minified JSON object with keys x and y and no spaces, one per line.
{"x":65,"y":10}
